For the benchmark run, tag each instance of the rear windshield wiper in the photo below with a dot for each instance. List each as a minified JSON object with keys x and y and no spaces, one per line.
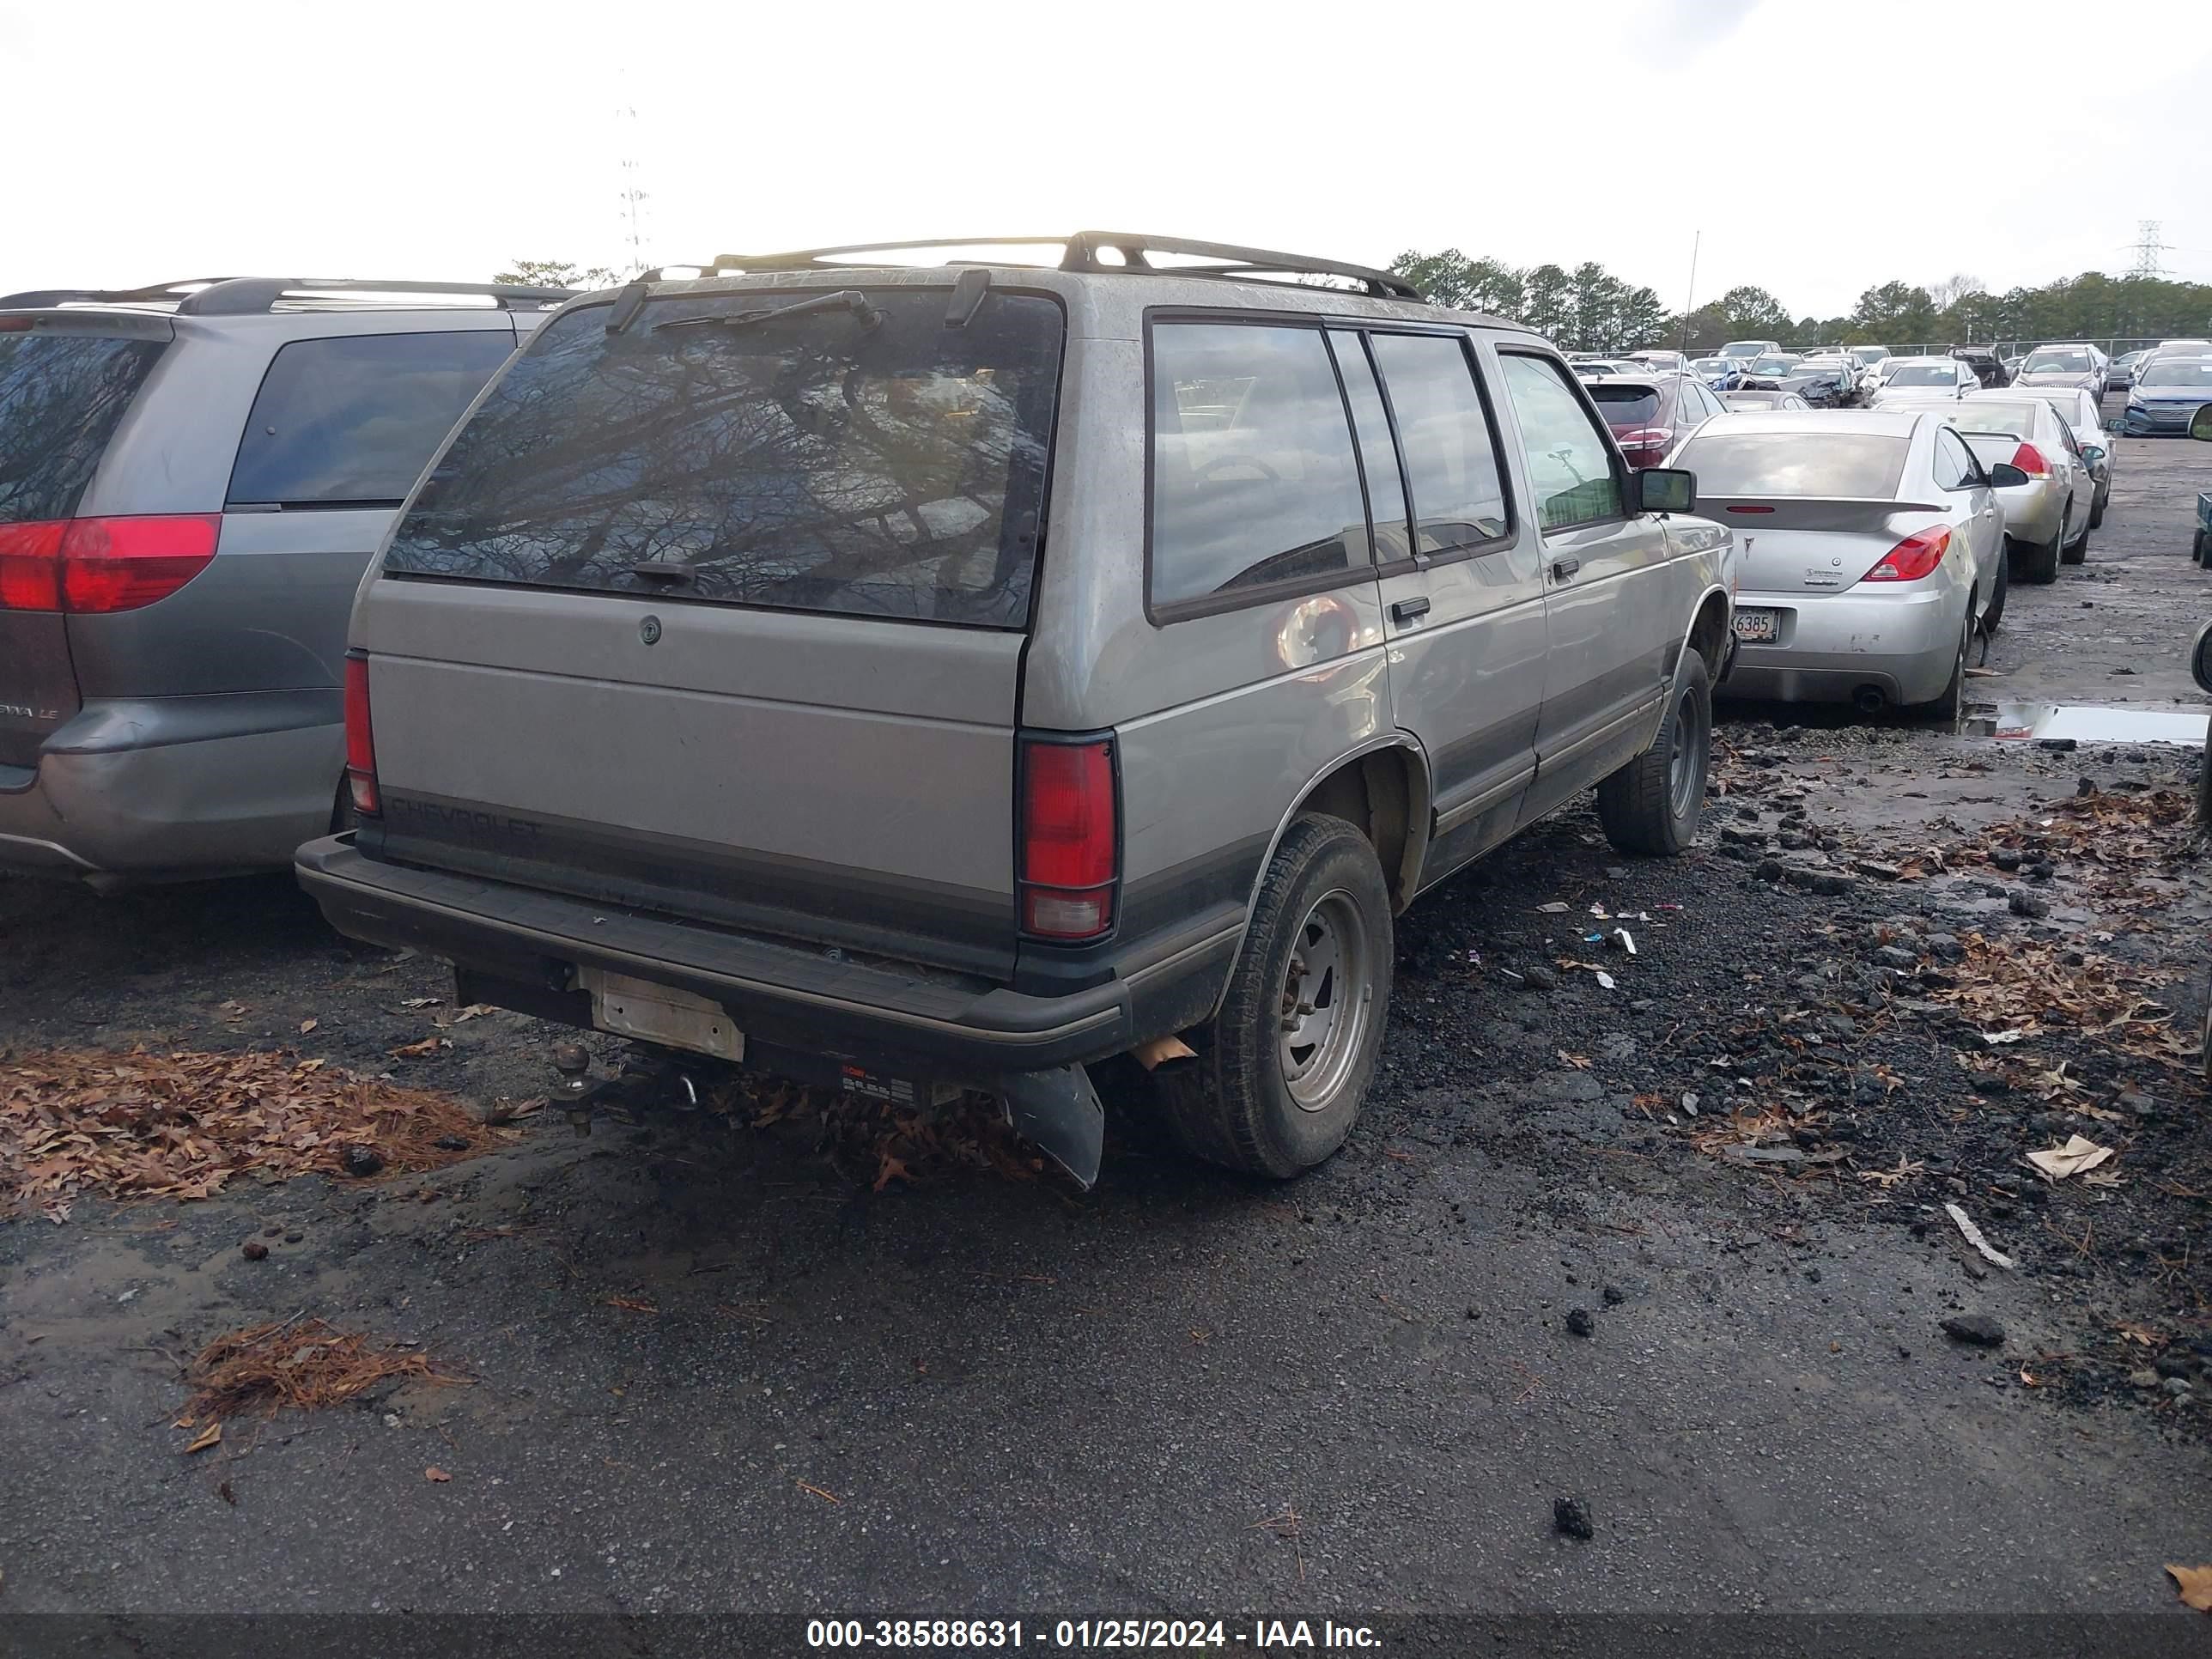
{"x":844,"y":299}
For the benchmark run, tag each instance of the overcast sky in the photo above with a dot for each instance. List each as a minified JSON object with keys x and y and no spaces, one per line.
{"x":1821,"y":148}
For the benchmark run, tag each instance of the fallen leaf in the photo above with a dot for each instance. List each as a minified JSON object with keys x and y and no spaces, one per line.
{"x":891,"y":1169}
{"x":308,"y":1025}
{"x":828,"y":1497}
{"x":1579,"y":1062}
{"x":209,"y":1436}
{"x":2194,"y":1584}
{"x":629,"y":1302}
{"x":428,"y":1045}
{"x":434,"y":1473}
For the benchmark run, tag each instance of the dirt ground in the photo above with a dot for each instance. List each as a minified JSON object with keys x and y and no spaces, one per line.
{"x":1675,"y":1247}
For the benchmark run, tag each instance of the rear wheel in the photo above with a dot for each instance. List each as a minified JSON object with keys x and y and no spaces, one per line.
{"x":2080,"y":551}
{"x":2097,"y":509}
{"x":1993,"y":613}
{"x":1948,"y":705}
{"x":1651,"y":805}
{"x":1283,"y":1071}
{"x":2200,"y":549}
{"x":2038,"y":562}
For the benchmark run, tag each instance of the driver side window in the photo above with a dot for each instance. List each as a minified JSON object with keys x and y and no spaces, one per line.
{"x":1570,"y":463}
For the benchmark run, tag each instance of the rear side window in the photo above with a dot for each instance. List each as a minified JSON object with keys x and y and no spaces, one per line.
{"x":804,"y":449}
{"x":62,"y":397}
{"x":1253,"y":480}
{"x":1818,"y":464}
{"x":351,"y":422}
{"x":1444,"y":431}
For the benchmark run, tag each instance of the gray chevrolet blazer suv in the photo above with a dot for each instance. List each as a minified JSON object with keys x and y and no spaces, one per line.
{"x":920,"y":677}
{"x":192,"y":477}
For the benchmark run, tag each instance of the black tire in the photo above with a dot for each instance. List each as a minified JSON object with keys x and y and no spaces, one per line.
{"x":1248,"y":1103}
{"x":1948,"y":704}
{"x":2035,"y":562}
{"x":2080,"y":551}
{"x":2097,"y":509}
{"x":2199,"y":548}
{"x":1651,"y":805}
{"x":1993,"y":612}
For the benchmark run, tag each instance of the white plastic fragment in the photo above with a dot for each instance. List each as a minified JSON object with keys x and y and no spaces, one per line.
{"x":1991,"y":1254}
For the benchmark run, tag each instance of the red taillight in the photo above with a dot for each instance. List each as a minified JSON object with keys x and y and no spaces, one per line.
{"x":15,"y":325}
{"x":96,"y":566}
{"x":361,"y":744}
{"x":31,"y":565}
{"x":124,"y":564}
{"x":1912,"y":558}
{"x":1644,"y":445}
{"x":1745,"y":508}
{"x":1071,"y":839}
{"x":2029,"y":460}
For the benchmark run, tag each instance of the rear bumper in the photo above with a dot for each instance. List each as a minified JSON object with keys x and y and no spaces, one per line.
{"x":944,"y":1026}
{"x":1832,"y":647}
{"x":175,"y":788}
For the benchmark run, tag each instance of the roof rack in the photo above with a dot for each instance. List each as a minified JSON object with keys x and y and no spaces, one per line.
{"x":1082,"y":251}
{"x":235,"y":296}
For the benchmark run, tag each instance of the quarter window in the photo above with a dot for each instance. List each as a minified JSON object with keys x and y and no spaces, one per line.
{"x":1955,"y":463}
{"x":1569,"y":463}
{"x":1451,"y":458}
{"x":350,"y":422}
{"x":1254,"y":484}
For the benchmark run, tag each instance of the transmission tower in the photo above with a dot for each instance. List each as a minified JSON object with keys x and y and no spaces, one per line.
{"x":630,"y":195}
{"x":2148,"y":247}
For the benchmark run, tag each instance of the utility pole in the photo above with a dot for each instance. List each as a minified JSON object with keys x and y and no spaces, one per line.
{"x":1683,"y":345}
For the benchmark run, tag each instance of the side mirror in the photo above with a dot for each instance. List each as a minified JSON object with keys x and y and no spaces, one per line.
{"x":2005,"y":476}
{"x":1667,"y":489}
{"x":2200,"y":424}
{"x":2200,"y":657}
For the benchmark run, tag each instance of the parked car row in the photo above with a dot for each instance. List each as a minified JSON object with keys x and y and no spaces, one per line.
{"x":710,"y":689}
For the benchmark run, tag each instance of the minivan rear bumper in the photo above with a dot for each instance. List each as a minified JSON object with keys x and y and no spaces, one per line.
{"x":175,"y":788}
{"x":951,"y":1028}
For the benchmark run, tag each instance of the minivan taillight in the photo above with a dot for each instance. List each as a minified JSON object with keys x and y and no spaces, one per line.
{"x":361,"y":744}
{"x":1071,"y":849}
{"x":94,"y":567}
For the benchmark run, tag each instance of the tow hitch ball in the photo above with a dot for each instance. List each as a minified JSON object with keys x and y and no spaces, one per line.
{"x":639,"y":1087}
{"x":574,"y":1062}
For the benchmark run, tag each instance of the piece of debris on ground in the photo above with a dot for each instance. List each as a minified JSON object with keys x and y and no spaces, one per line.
{"x":306,"y":1365}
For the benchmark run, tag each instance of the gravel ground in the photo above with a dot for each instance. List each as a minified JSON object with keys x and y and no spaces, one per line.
{"x":713,"y":1367}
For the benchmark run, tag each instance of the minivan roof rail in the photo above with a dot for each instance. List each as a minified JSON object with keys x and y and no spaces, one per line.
{"x":1084,"y":251}
{"x":233,"y":296}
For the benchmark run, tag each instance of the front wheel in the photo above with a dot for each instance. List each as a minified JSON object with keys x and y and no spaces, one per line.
{"x":2097,"y":509}
{"x":1651,"y":805}
{"x":1284,"y":1070}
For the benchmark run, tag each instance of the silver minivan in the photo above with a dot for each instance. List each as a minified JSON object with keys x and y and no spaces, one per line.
{"x":918,"y":678}
{"x":193,"y":477}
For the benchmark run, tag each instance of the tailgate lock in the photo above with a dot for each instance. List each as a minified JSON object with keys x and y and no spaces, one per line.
{"x":649,"y":630}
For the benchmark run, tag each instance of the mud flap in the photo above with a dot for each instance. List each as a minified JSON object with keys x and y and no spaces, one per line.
{"x":1059,"y":1110}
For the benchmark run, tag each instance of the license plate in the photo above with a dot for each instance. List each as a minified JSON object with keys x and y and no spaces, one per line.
{"x":1758,"y":627}
{"x":659,"y":1013}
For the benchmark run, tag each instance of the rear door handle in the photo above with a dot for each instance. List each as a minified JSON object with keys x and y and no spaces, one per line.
{"x":1563,"y":567}
{"x":1408,"y":611}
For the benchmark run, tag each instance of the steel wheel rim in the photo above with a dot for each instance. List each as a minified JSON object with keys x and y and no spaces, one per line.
{"x":1686,"y":756}
{"x":1327,"y":998}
